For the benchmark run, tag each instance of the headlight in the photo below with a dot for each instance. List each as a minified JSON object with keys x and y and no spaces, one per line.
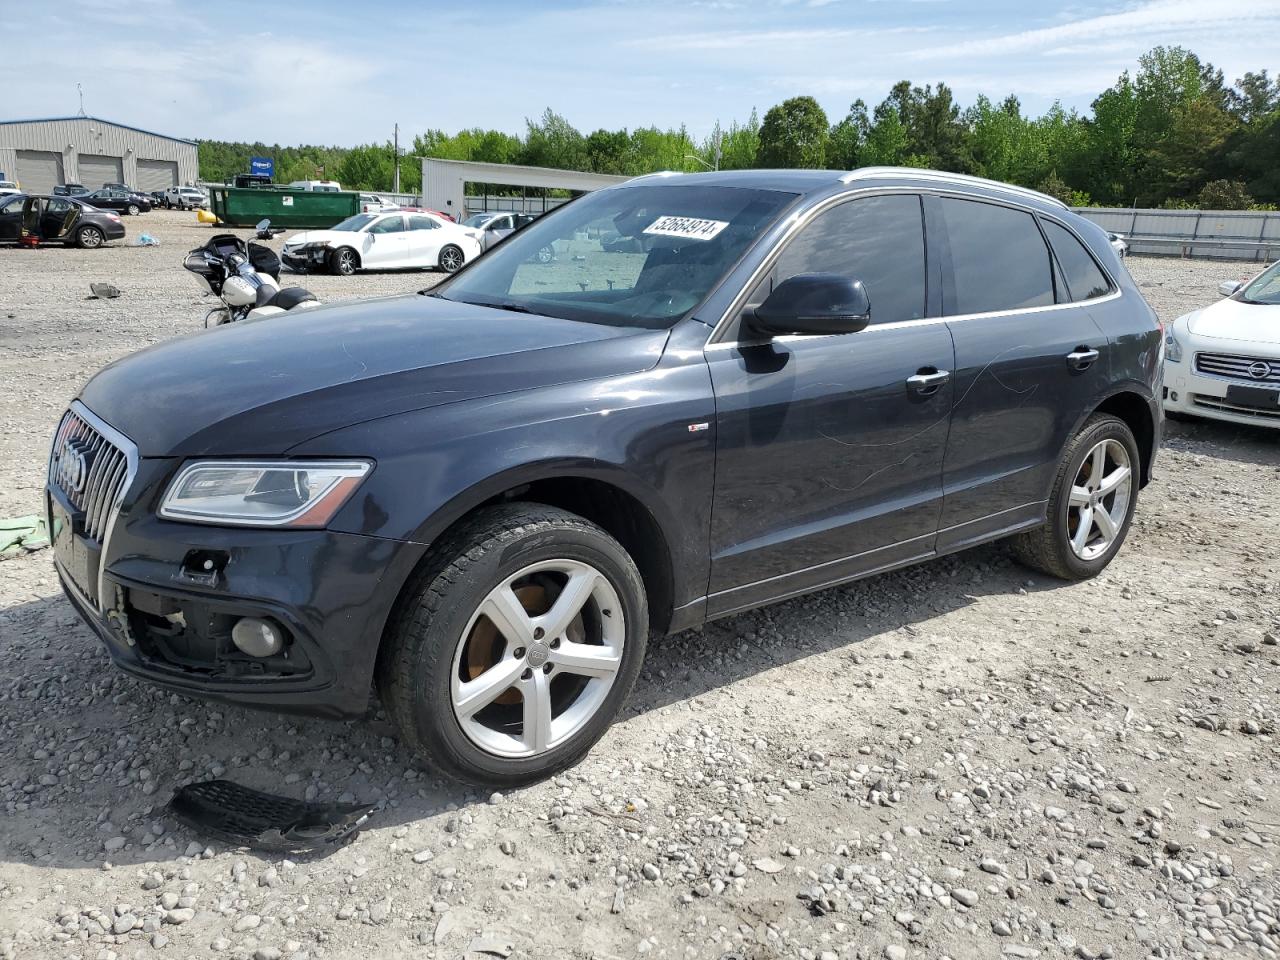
{"x":288,"y":493}
{"x":1173,"y":348}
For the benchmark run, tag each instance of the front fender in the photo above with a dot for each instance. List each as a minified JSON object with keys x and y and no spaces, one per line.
{"x":632,"y":432}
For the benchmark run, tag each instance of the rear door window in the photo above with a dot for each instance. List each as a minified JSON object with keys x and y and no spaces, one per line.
{"x":878,"y":240}
{"x":422,"y":223}
{"x":998,"y":257}
{"x":1084,"y":278}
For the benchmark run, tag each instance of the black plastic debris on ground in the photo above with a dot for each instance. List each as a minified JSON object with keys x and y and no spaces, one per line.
{"x":250,"y":818}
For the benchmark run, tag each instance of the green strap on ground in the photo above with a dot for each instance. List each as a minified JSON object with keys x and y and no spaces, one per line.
{"x":22,"y":535}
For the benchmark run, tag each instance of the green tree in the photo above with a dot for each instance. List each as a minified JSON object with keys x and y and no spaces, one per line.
{"x":554,"y":142}
{"x":886,"y":143}
{"x":740,"y":145}
{"x":1224,"y":195}
{"x":609,"y":151}
{"x":1189,"y":151}
{"x":794,"y":134}
{"x":1254,"y":97}
{"x":845,"y":142}
{"x":1110,"y":149}
{"x":367,"y":167}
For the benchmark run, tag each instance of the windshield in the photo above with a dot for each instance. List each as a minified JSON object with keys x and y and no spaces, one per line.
{"x":358,"y":222}
{"x":1265,"y":288}
{"x":639,"y":256}
{"x":478,"y":220}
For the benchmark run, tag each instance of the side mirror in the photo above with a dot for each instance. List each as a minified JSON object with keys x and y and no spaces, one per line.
{"x":814,"y":303}
{"x":1229,"y":287}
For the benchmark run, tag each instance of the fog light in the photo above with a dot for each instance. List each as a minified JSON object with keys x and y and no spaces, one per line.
{"x":257,"y":638}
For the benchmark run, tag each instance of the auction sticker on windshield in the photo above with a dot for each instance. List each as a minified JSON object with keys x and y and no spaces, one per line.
{"x":686,"y":228}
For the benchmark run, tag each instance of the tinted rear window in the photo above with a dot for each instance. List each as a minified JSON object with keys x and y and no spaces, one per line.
{"x":1084,"y":279}
{"x":998,"y":257}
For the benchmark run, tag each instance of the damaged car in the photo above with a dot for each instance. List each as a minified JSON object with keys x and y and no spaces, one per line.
{"x":45,"y":219}
{"x":482,"y":500}
{"x":383,"y":241}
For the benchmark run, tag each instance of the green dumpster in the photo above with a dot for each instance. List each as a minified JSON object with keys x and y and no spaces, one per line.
{"x":245,"y":206}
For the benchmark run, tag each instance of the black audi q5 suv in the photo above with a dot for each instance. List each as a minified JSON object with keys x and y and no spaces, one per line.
{"x":721,"y":390}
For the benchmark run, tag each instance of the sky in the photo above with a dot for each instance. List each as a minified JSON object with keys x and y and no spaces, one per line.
{"x":314,"y":72}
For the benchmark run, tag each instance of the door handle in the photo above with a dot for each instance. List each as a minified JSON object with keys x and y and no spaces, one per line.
{"x":1081,"y":358}
{"x":928,"y":380}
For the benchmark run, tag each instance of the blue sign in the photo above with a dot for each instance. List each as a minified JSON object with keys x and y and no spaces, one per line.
{"x":262,"y":166}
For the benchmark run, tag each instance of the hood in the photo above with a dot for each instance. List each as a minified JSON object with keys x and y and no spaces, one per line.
{"x":260,"y":387}
{"x":352,"y":237}
{"x":1233,"y":320}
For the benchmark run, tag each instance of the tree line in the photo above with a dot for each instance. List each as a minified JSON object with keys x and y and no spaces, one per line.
{"x":1173,"y":133}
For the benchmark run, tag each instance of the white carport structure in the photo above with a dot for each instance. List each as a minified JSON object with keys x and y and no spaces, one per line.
{"x":444,"y":181}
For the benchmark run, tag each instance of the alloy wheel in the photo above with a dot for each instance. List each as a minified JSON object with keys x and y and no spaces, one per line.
{"x":1099,"y":499}
{"x":450,"y":259}
{"x":537,"y":658}
{"x":90,"y":237}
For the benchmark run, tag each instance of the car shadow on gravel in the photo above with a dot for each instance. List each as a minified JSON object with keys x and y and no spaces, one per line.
{"x":90,"y":756}
{"x":1242,"y":443}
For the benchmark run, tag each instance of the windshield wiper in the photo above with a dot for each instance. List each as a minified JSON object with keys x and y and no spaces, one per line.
{"x":509,"y":305}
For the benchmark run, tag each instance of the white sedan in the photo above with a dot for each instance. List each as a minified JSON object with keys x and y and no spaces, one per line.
{"x":1223,"y":362}
{"x":383,"y":241}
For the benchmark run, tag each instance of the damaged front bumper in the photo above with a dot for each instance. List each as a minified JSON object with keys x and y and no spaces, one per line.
{"x":306,"y":258}
{"x":164,"y":596}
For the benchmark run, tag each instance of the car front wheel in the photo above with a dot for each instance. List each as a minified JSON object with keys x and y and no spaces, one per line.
{"x":516,"y":646}
{"x":1092,"y":503}
{"x":343,"y":261}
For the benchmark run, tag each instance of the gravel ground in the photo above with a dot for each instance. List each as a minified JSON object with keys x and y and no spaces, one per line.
{"x":957,"y":760}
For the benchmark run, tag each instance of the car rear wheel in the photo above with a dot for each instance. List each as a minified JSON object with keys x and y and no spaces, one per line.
{"x":133,"y":210}
{"x":1092,"y":503}
{"x":516,"y":646}
{"x":89,"y":238}
{"x":343,"y":261}
{"x":451,"y":258}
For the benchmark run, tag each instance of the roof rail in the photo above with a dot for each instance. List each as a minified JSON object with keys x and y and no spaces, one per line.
{"x":919,"y":173}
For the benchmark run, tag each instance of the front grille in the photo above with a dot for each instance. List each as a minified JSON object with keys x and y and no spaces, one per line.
{"x":1235,"y":367}
{"x":90,"y":469}
{"x":1217,"y":403}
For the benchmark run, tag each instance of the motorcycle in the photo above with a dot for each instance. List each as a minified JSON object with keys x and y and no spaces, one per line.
{"x":245,"y":276}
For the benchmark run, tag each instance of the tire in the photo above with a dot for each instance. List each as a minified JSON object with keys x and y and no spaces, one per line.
{"x":133,"y":210}
{"x":430,"y":645}
{"x":1055,"y":548}
{"x":89,"y":238}
{"x":343,"y":262}
{"x":451,"y":258}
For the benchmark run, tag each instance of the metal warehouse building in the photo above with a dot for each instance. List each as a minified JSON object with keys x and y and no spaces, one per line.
{"x":40,"y":154}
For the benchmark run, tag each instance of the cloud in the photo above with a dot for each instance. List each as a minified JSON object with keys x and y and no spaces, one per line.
{"x":1149,"y":20}
{"x":728,"y":40}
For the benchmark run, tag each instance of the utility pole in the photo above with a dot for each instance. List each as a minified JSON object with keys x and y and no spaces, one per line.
{"x":396,"y":187}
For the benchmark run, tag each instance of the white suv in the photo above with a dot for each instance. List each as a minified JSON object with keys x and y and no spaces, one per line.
{"x":185,"y":198}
